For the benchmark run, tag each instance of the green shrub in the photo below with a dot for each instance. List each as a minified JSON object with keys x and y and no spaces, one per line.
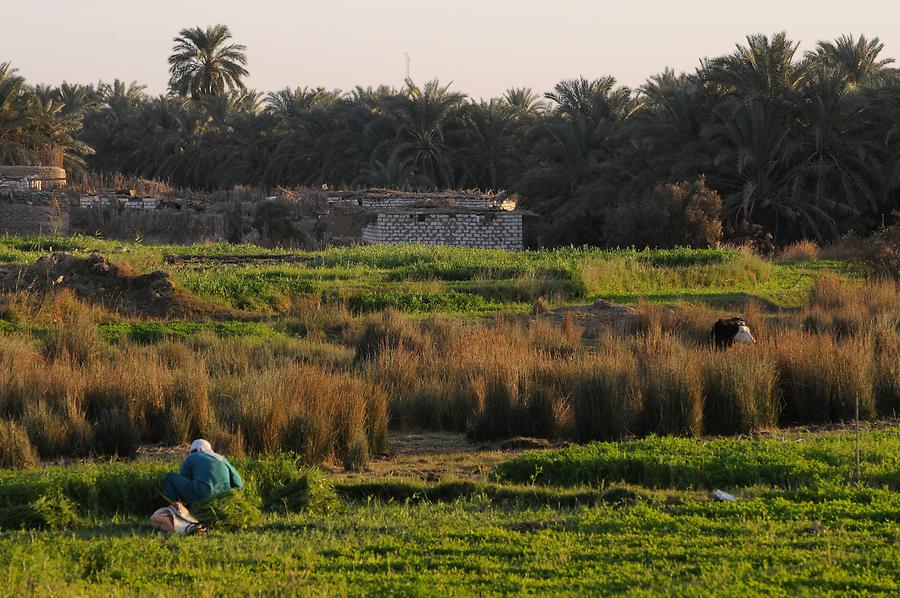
{"x":678,"y":214}
{"x":690,"y":463}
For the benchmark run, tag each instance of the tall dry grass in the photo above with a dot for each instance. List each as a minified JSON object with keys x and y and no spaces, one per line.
{"x":331,"y":392}
{"x":740,"y":391}
{"x":608,"y":397}
{"x":307,"y":409}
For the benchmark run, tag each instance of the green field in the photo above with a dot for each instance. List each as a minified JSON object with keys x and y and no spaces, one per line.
{"x":423,"y":279}
{"x":825,"y":534}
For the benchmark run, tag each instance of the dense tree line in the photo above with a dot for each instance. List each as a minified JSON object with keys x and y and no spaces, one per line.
{"x":797,"y":146}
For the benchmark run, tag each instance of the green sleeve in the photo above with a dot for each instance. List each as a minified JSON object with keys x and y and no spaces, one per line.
{"x":236,"y":481}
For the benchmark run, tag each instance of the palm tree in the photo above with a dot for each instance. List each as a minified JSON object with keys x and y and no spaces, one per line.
{"x":524,"y":101}
{"x":763,"y":70}
{"x":857,"y":59}
{"x":429,"y":118}
{"x":202,"y":64}
{"x":14,"y":118}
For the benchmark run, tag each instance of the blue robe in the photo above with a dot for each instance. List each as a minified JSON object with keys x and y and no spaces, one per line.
{"x":202,"y":476}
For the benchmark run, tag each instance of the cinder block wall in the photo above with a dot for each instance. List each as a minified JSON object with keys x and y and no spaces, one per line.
{"x":493,"y":230}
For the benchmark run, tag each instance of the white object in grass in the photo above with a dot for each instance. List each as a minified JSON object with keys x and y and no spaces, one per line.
{"x":743,"y":335}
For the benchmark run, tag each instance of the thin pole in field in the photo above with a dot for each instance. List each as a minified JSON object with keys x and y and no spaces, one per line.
{"x":857,"y":438}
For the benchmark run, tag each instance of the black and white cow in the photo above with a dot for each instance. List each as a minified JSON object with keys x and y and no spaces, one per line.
{"x":727,"y":331}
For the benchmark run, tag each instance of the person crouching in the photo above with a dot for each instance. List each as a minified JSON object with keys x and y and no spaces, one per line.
{"x":204,"y":474}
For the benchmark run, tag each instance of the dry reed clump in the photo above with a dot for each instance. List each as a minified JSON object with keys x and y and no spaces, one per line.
{"x":308,"y":409}
{"x":54,"y":413}
{"x":247,"y":356}
{"x":16,"y":450}
{"x":556,"y":340}
{"x":540,"y":307}
{"x":822,"y":379}
{"x":830,"y":291}
{"x":75,"y":337}
{"x":801,"y":251}
{"x":19,"y":364}
{"x":317,"y":320}
{"x":499,"y":402}
{"x":740,"y":391}
{"x":387,"y":330}
{"x":672,"y":387}
{"x":608,"y":396}
{"x":887,"y":376}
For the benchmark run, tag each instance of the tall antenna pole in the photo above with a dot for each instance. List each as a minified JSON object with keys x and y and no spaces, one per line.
{"x":407,"y":65}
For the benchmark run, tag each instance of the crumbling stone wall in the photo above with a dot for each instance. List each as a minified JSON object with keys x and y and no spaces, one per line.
{"x":491,"y":230}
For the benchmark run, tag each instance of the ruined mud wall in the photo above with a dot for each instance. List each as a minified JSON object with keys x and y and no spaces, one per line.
{"x":153,"y":226}
{"x":30,"y":219}
{"x":491,"y":230}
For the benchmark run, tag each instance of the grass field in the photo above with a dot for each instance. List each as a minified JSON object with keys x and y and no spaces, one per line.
{"x":450,"y":280}
{"x":826,"y":534}
{"x":287,"y":360}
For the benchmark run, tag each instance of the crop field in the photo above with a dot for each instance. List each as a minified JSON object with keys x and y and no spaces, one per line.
{"x":449,"y":280}
{"x":801,"y":524}
{"x":369,"y":396}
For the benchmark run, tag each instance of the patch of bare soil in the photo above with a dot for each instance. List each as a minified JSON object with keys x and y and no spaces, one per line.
{"x":601,"y":314}
{"x":94,"y":279}
{"x":440,"y":456}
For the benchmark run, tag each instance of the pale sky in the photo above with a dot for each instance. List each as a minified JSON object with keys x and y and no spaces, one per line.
{"x":481,"y":46}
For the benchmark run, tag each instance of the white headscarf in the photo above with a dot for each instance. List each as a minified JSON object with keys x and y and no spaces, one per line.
{"x":203,"y":446}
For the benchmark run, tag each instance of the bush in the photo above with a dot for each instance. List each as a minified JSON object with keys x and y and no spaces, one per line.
{"x":16,"y":450}
{"x":801,"y":251}
{"x":77,"y":338}
{"x":387,"y":330}
{"x":675,"y":215}
{"x":114,"y":433}
{"x":309,"y":410}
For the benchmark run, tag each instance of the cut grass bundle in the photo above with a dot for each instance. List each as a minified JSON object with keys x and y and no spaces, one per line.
{"x":237,"y":509}
{"x":313,"y":492}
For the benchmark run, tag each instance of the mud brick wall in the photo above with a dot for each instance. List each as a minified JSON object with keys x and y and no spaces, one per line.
{"x":492,"y":230}
{"x":153,"y":226}
{"x":24,"y":219}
